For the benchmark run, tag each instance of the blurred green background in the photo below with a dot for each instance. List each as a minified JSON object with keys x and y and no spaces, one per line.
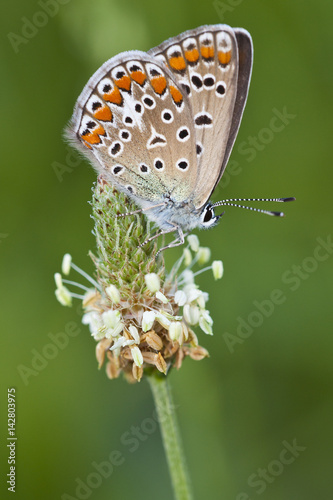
{"x":238,"y":408}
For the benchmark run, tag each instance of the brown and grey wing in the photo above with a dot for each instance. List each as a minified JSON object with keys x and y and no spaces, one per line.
{"x":206,"y":63}
{"x":134,"y":122}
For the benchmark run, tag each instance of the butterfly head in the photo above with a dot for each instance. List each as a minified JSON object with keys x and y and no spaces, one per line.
{"x":208,"y":218}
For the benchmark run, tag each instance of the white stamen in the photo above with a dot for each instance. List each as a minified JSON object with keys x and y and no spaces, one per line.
{"x":217,"y":267}
{"x":187,"y":257}
{"x":63,"y":296}
{"x":69,"y":282}
{"x":203,"y":255}
{"x":85,"y":275}
{"x":193,"y":241}
{"x":58,"y":280}
{"x":66,"y":263}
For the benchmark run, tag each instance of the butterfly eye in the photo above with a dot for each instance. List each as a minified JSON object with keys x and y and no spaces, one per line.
{"x":208,"y":215}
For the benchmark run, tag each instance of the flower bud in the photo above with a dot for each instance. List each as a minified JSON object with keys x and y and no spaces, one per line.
{"x":180,"y":298}
{"x":163,"y":320}
{"x":134,"y":333}
{"x":118,"y":343}
{"x":148,"y":319}
{"x":206,"y":322}
{"x":193,"y":294}
{"x":161,"y":297}
{"x":175,"y":330}
{"x":191,"y":314}
{"x":113,"y":292}
{"x":152,"y":282}
{"x":111,"y":318}
{"x":137,"y":356}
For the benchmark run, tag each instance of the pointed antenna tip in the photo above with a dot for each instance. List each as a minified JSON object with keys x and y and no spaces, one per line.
{"x":277,"y":214}
{"x":287,"y":199}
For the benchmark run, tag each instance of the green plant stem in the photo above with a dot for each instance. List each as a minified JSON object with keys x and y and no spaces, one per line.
{"x":170,"y":436}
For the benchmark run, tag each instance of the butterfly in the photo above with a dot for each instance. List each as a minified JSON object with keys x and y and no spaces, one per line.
{"x":160,"y":125}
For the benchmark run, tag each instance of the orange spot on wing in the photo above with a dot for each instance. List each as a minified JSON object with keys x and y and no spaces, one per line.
{"x":192,"y":55}
{"x":100,"y":130}
{"x":177,"y":63}
{"x":176,"y":95}
{"x":159,"y":84}
{"x":114,"y":96}
{"x":224,"y":57}
{"x":207,"y":52}
{"x":139,"y":77}
{"x":87,"y":145}
{"x":103,"y":113}
{"x":93,"y":137}
{"x":124,"y":83}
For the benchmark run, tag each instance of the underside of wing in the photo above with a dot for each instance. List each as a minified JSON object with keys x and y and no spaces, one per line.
{"x":213,"y":65}
{"x":245,"y":59}
{"x":134,"y":122}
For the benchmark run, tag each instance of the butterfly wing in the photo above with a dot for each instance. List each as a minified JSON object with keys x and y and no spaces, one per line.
{"x":213,"y":65}
{"x":129,"y":120}
{"x":245,"y":59}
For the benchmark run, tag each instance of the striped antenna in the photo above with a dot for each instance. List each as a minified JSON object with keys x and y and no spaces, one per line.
{"x":268,"y":212}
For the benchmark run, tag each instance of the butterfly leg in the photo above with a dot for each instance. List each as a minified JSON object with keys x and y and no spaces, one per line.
{"x":179,"y":241}
{"x":140,"y":210}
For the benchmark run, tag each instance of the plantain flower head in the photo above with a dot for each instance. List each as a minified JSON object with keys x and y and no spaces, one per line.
{"x":141,"y":316}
